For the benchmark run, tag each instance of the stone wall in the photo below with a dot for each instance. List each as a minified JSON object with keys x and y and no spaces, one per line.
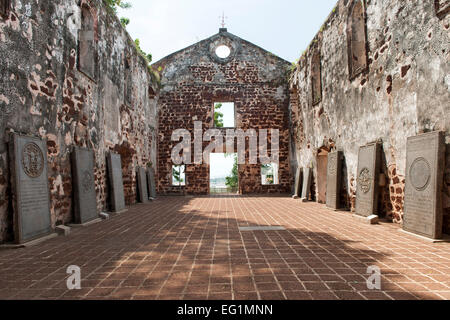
{"x":63,"y":68}
{"x":377,"y":69}
{"x":194,"y":78}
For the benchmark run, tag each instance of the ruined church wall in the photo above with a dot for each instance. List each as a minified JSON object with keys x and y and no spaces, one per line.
{"x":192,"y":80}
{"x":43,"y":93}
{"x":403,"y":91}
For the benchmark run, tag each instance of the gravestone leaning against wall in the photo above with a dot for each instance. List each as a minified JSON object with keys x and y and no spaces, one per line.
{"x":142,"y":185}
{"x":29,"y":180}
{"x":334,"y":174}
{"x":84,"y":185}
{"x":369,"y":162}
{"x":151,"y":182}
{"x":116,"y":182}
{"x":307,"y":177}
{"x":425,"y":162}
{"x":298,"y":184}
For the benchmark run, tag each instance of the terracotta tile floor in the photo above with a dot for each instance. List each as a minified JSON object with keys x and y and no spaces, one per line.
{"x":191,"y":248}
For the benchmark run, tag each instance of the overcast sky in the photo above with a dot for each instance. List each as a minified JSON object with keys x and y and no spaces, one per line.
{"x":283,"y":27}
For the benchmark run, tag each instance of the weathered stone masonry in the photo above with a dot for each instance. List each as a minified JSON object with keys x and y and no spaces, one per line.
{"x":194,"y":78}
{"x":63,"y":68}
{"x":384,"y":74}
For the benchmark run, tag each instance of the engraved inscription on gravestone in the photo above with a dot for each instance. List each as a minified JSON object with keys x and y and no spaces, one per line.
{"x":85,"y":200}
{"x":307,"y":176}
{"x":369,"y":162}
{"x":151,"y":182}
{"x":425,"y":161}
{"x":116,"y":182}
{"x":142,"y":185}
{"x":29,"y":182}
{"x":334,"y":179}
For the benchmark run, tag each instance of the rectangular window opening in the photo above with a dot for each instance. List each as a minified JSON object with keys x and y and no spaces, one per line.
{"x":179,"y":176}
{"x":224,"y":115}
{"x":269,"y":174}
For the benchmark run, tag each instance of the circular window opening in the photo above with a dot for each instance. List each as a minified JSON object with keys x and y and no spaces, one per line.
{"x":223,"y":51}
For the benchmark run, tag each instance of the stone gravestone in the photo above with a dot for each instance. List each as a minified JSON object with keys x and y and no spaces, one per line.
{"x":151,"y":182}
{"x":334,"y":173}
{"x":307,"y":177}
{"x":31,"y":199}
{"x":369,"y":161}
{"x":298,"y":184}
{"x":116,"y":182}
{"x":425,"y":162}
{"x":142,"y":185}
{"x":84,"y":185}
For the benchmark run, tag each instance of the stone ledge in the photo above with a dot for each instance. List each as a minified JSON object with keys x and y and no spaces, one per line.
{"x":446,"y":238}
{"x":116,"y":213}
{"x":28,"y":244}
{"x":373,"y":219}
{"x":85,"y":224}
{"x":63,"y":230}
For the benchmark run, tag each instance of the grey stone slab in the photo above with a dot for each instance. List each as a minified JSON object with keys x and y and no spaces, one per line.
{"x":307,"y":178}
{"x":425,"y":165}
{"x":151,"y":182}
{"x":298,"y":183}
{"x":334,"y":175}
{"x":142,"y":185}
{"x":29,"y":180}
{"x":85,"y":197}
{"x":369,"y":162}
{"x":116,"y":182}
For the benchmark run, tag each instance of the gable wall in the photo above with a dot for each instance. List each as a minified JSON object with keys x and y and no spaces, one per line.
{"x":193,"y":80}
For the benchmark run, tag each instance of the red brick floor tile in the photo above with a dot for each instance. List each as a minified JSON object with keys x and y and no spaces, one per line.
{"x":191,"y":248}
{"x":273,"y":295}
{"x":298,"y":295}
{"x":315,"y":286}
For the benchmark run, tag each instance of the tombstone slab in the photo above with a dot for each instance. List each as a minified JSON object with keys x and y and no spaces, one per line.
{"x":142,"y":185}
{"x":307,"y":177}
{"x":334,"y":175}
{"x":425,"y":165}
{"x":116,"y":182}
{"x":29,"y":180}
{"x":84,"y":185}
{"x":369,"y":162}
{"x":298,"y":184}
{"x":151,"y":182}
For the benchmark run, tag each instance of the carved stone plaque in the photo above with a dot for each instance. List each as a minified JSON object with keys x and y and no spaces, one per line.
{"x":142,"y":185}
{"x":307,"y":177}
{"x":151,"y":182}
{"x":29,"y":180}
{"x":425,"y":161}
{"x":334,"y":179}
{"x":116,"y":182}
{"x":85,"y":197}
{"x":369,"y":162}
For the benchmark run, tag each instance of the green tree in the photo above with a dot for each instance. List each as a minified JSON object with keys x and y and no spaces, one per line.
{"x":124,"y":22}
{"x":176,"y":174}
{"x":218,"y":116}
{"x":148,"y":57}
{"x":232,"y":181}
{"x":115,"y":4}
